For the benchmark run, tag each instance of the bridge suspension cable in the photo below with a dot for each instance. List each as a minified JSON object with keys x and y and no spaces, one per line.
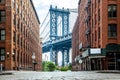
{"x":45,"y":30}
{"x":45,"y":27}
{"x":74,"y":10}
{"x":45,"y":19}
{"x":46,"y":36}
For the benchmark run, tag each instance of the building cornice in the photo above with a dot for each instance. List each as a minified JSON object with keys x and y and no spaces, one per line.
{"x":35,"y":11}
{"x":79,"y":2}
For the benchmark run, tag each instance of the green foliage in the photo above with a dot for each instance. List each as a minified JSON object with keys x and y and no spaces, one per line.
{"x":48,"y":66}
{"x":65,"y":68}
{"x":44,"y":66}
{"x":70,"y":66}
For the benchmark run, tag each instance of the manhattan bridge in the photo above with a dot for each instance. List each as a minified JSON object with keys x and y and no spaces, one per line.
{"x":56,"y":33}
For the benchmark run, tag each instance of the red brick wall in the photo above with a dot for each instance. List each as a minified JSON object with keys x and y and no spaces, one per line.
{"x":95,"y":25}
{"x":25,"y":25}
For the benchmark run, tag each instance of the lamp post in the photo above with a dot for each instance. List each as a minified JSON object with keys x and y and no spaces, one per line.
{"x":78,"y":60}
{"x":8,"y":54}
{"x":33,"y":58}
{"x":1,"y":67}
{"x":13,"y":54}
{"x":10,"y":57}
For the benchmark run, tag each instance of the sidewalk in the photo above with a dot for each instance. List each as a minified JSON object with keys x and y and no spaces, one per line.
{"x":109,"y":71}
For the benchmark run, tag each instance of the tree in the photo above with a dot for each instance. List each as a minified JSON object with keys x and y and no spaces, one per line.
{"x":51,"y":66}
{"x":48,"y":66}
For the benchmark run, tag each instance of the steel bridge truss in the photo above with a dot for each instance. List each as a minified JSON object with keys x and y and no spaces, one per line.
{"x":58,"y":43}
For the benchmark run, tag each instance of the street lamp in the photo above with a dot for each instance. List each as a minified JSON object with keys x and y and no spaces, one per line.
{"x":13,"y":54}
{"x":34,"y":63}
{"x":1,"y":67}
{"x":8,"y":54}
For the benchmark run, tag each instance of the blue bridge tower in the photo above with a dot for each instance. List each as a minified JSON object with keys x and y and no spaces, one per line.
{"x":59,"y":42}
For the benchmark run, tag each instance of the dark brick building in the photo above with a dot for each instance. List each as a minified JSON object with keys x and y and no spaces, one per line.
{"x":19,"y":35}
{"x":98,"y":27}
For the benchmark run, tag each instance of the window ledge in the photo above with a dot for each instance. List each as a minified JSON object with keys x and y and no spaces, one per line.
{"x":112,"y":37}
{"x":112,"y":17}
{"x":2,"y":40}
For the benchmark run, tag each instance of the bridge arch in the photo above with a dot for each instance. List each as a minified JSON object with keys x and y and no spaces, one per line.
{"x":55,"y":14}
{"x":60,"y":37}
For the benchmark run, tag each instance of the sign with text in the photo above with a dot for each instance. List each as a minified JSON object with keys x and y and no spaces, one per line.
{"x":95,"y":51}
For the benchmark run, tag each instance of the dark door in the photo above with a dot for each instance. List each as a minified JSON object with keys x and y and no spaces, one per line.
{"x":118,"y":61}
{"x":118,"y":66}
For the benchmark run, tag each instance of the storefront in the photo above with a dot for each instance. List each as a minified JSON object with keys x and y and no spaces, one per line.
{"x":101,"y":59}
{"x":113,"y":56}
{"x":94,"y":59}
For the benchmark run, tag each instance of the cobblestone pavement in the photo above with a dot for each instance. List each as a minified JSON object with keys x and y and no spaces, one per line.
{"x":81,"y":75}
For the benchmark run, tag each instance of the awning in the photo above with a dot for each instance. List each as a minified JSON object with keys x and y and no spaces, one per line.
{"x":96,"y":57}
{"x":85,"y":53}
{"x":113,"y":47}
{"x":94,"y":52}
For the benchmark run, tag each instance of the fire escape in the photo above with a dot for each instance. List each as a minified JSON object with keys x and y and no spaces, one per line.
{"x":87,"y":21}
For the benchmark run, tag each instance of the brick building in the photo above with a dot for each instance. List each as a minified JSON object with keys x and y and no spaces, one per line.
{"x":99,"y":35}
{"x":19,"y":35}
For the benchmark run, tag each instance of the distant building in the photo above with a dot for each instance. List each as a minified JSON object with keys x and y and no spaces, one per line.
{"x":19,"y":35}
{"x":96,"y":36}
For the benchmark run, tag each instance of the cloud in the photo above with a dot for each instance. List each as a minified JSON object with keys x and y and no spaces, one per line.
{"x":42,"y":6}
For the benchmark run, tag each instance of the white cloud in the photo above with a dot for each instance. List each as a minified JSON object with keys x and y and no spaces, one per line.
{"x":42,"y":6}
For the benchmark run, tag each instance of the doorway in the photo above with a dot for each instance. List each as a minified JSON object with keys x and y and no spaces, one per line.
{"x":118,"y":61}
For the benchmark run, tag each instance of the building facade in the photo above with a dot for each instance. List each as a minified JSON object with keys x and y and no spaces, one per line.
{"x":75,"y":43}
{"x":19,"y":35}
{"x":99,"y":35}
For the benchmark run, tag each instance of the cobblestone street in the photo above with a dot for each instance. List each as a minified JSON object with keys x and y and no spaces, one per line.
{"x":83,"y":75}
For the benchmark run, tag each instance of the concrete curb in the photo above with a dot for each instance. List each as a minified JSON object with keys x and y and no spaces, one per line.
{"x":6,"y":73}
{"x":109,"y":71}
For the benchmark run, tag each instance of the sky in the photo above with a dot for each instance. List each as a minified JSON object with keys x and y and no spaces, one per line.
{"x":42,"y":8}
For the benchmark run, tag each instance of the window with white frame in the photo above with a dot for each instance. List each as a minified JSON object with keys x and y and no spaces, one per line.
{"x":2,"y":34}
{"x":2,"y":16}
{"x":2,"y":54}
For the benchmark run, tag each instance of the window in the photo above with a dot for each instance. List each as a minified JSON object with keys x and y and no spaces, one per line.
{"x":99,"y":1}
{"x":2,"y":54}
{"x":2,"y":16}
{"x":14,"y":37}
{"x":99,"y":15}
{"x":112,"y":30}
{"x":2,"y":34}
{"x":13,"y":3}
{"x":95,"y":19}
{"x":98,"y":32}
{"x":95,"y":35}
{"x":112,"y":10}
{"x":13,"y":54}
{"x":17,"y":9}
{"x":14,"y":20}
{"x":2,"y":1}
{"x":92,"y":23}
